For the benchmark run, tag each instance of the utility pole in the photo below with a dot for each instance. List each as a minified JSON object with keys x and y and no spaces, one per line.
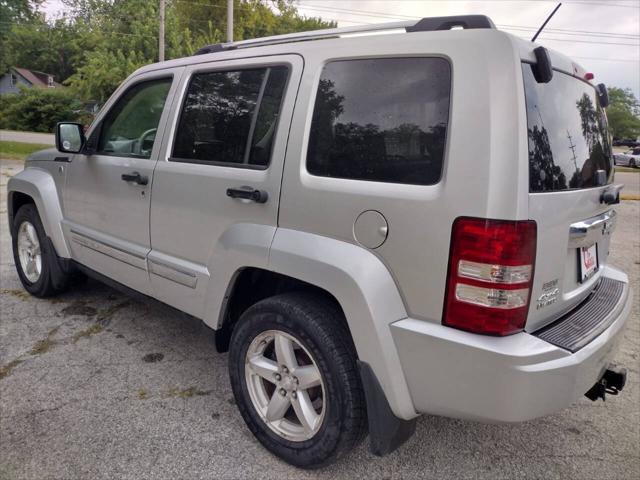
{"x":161,"y":33}
{"x":229,"y":21}
{"x":572,"y":147}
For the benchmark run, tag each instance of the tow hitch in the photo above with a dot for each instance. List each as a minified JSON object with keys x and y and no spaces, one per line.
{"x":612,"y":382}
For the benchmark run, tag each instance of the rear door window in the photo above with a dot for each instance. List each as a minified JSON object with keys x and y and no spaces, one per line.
{"x":567,"y":134}
{"x":229,"y":118}
{"x":381,"y":120}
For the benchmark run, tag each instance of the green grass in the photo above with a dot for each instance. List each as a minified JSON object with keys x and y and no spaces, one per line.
{"x":19,"y":150}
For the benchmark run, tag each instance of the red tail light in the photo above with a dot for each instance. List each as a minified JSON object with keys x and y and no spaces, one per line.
{"x":490,"y":275}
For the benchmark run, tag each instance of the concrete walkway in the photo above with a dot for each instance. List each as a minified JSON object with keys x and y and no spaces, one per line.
{"x":27,"y":137}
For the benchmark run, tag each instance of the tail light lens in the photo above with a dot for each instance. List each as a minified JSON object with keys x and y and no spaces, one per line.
{"x":490,"y":275}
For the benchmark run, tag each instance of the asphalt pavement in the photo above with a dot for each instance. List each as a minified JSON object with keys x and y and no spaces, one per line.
{"x":96,"y":385}
{"x":27,"y":137}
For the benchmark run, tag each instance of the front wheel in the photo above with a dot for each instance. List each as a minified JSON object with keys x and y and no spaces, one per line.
{"x":294,"y":376}
{"x":36,"y":261}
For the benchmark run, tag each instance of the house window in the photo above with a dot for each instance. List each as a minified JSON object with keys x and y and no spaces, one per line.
{"x":50,"y":80}
{"x":13,"y":79}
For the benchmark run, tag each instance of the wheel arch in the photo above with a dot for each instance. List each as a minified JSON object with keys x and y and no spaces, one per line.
{"x":248,"y":286}
{"x":38,"y":187}
{"x":361,"y":285}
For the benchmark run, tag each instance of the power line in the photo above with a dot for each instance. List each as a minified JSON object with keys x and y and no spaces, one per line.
{"x":603,"y":4}
{"x":570,"y":2}
{"x":378,"y":14}
{"x":621,"y":60}
{"x":505,"y":27}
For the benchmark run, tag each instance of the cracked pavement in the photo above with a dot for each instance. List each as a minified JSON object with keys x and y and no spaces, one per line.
{"x":96,"y":385}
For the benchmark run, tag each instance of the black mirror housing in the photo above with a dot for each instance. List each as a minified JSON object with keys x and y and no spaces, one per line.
{"x":70,"y":137}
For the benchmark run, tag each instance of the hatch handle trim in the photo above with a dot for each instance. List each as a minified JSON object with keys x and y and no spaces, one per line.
{"x":587,"y":232}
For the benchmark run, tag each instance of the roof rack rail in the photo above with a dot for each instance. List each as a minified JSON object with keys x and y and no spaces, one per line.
{"x":427,"y":24}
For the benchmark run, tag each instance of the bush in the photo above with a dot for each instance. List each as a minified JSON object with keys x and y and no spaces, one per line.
{"x":37,"y":109}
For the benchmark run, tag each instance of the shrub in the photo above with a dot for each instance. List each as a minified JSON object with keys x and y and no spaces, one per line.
{"x":37,"y":109}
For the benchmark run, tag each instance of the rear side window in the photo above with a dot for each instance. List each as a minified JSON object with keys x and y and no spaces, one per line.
{"x":230,"y":118}
{"x":567,"y":134}
{"x":382,"y":120}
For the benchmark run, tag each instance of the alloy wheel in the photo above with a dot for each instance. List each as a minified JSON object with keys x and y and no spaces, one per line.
{"x":285,"y":385}
{"x":29,"y":252}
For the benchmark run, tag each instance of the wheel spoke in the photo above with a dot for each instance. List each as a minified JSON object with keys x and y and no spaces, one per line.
{"x":31,"y":233}
{"x":284,"y":352}
{"x":262,"y":366}
{"x":31,"y":267}
{"x":278,"y":406}
{"x":308,"y":376}
{"x":304,"y":411}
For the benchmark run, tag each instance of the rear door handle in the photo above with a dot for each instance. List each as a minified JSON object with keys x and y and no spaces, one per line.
{"x":248,"y":193}
{"x":135,"y":177}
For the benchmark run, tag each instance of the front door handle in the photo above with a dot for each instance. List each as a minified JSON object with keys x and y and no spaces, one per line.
{"x":135,"y":177}
{"x":248,"y":193}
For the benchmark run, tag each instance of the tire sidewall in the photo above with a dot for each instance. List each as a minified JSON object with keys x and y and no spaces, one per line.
{"x":28,"y":213}
{"x":269,"y":317}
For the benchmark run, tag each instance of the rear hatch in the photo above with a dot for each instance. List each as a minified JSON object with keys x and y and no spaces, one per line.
{"x":570,"y":165}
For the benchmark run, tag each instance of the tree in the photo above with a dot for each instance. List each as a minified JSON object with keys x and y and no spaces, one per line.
{"x":123,"y":34}
{"x":623,"y":113}
{"x":56,"y":48}
{"x":37,"y":109}
{"x":14,"y":12}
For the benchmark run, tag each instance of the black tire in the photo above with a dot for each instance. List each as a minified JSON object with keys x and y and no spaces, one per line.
{"x":52,"y":279}
{"x":632,"y":163}
{"x":318,"y":325}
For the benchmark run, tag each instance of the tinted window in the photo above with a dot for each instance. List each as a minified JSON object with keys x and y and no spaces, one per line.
{"x":231,"y":117}
{"x":129,"y":129}
{"x":567,"y":131}
{"x":381,"y":119}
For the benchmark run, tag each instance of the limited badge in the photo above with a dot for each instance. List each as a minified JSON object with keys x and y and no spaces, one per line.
{"x":550,"y":292}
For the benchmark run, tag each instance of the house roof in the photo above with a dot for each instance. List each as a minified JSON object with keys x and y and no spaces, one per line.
{"x":35,"y":78}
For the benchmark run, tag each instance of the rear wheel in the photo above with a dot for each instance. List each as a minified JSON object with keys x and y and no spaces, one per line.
{"x":294,"y":376}
{"x":632,"y":163}
{"x":36,"y":261}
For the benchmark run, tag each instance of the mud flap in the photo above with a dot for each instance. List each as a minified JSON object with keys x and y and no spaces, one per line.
{"x":386,"y":431}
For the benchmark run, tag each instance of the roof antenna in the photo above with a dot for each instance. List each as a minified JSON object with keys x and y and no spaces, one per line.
{"x":545,"y":22}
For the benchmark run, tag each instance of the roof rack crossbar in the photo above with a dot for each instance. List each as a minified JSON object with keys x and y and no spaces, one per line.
{"x":427,"y":24}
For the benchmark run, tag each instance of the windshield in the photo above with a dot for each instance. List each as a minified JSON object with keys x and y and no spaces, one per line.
{"x":567,"y":131}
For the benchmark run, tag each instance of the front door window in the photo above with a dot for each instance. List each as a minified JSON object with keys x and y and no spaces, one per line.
{"x":129,"y":129}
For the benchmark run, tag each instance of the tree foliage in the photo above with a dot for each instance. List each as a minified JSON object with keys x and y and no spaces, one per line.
{"x":38,"y":109}
{"x":98,"y":43}
{"x":623,"y":113}
{"x":14,"y":12}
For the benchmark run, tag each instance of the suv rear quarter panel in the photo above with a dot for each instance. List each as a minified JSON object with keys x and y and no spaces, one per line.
{"x":482,"y":175}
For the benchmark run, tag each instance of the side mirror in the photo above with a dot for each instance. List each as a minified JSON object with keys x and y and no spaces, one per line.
{"x":69,"y":137}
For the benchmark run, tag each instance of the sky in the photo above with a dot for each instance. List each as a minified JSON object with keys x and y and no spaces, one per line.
{"x":601,"y":35}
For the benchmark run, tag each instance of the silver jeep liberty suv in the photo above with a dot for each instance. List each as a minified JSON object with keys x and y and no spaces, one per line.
{"x":376,"y":226}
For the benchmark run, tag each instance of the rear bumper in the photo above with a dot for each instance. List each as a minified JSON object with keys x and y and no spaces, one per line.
{"x":502,"y":379}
